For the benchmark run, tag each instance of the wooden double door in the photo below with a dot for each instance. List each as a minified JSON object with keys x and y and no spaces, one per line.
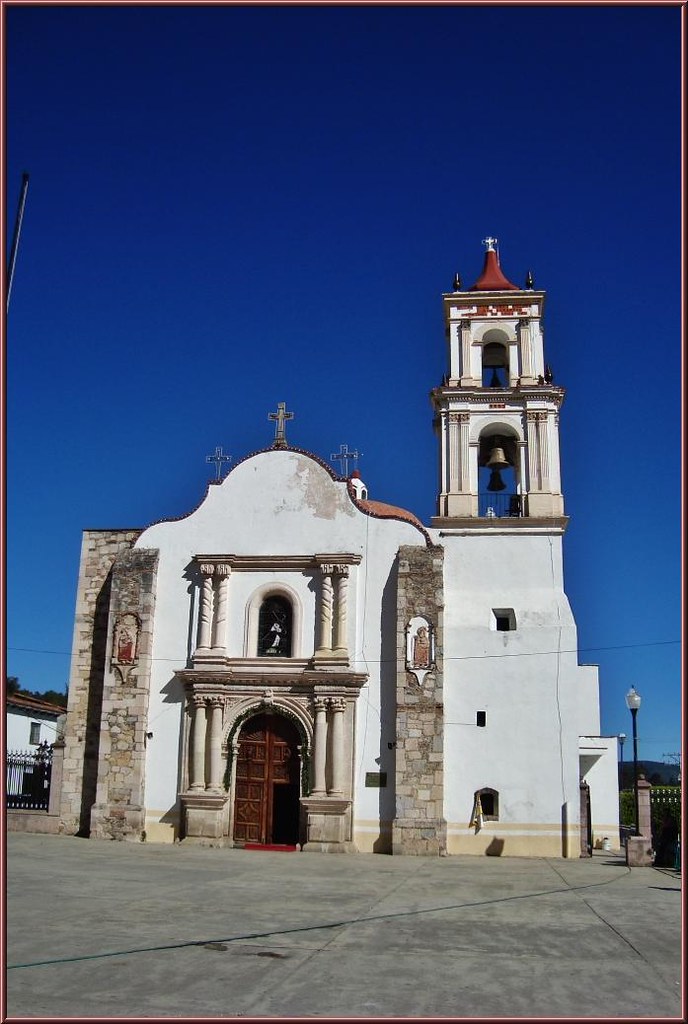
{"x":266,"y":796}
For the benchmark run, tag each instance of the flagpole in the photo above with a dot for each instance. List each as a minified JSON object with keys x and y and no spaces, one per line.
{"x":15,"y":238}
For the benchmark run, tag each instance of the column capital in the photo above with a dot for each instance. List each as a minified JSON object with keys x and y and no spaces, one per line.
{"x":320,"y":703}
{"x":336,"y":703}
{"x":223,"y":569}
{"x":216,"y":701}
{"x":197,"y":700}
{"x":207,"y":568}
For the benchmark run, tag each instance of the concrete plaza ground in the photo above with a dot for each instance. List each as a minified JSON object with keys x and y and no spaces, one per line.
{"x":104,"y":929}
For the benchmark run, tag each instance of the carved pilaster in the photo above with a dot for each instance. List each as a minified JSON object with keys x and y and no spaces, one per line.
{"x":205,"y":615}
{"x":341,"y":579}
{"x":197,"y":774}
{"x":337,"y":707}
{"x":320,"y":744}
{"x":326,"y":604}
{"x":220,"y":610}
{"x":215,"y":779}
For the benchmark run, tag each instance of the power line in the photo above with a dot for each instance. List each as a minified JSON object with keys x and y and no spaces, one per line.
{"x":465,"y":657}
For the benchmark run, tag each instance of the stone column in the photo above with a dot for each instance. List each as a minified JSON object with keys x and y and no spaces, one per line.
{"x":542,"y":429}
{"x":215,"y":780}
{"x":454,"y":453}
{"x":464,"y":421}
{"x":325,"y":637}
{"x":466,"y":370}
{"x":526,"y":352}
{"x":534,"y":478}
{"x":340,"y":630}
{"x":205,"y":616}
{"x":197,"y":779}
{"x":220,"y":615}
{"x":338,"y":708}
{"x":320,"y":744}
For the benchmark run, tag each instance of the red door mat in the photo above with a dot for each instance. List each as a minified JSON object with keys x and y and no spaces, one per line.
{"x":274,"y":847}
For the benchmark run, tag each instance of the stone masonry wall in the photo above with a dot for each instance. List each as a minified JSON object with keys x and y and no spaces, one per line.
{"x":419,"y":826}
{"x":119,"y":811}
{"x":99,"y":549}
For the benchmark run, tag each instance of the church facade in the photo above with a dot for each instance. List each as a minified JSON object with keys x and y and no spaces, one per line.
{"x":294,"y":664}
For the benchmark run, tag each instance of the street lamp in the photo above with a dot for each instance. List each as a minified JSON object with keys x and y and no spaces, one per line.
{"x":633,"y":703}
{"x":622,"y":740}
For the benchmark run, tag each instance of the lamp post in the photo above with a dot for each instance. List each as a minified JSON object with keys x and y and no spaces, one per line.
{"x":633,"y":703}
{"x":622,"y":740}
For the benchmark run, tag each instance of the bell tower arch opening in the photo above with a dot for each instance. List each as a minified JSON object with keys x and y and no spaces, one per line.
{"x":499,"y":478}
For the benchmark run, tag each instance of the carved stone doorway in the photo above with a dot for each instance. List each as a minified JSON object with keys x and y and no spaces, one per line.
{"x":266,"y":801}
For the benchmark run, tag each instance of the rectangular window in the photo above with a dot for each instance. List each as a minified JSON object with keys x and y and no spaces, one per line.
{"x":503,"y":619}
{"x":481,"y":718}
{"x":35,"y":733}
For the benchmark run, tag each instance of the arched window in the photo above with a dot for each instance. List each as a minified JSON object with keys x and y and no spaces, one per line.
{"x":495,"y":365}
{"x":489,"y":801}
{"x":275,"y":621}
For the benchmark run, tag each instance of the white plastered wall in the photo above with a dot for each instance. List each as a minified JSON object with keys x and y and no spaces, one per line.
{"x":275,"y":503}
{"x":526,"y":682}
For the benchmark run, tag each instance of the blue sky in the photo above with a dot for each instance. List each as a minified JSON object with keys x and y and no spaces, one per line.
{"x":235,"y":206}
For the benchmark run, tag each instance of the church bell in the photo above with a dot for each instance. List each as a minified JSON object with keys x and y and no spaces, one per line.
{"x":496,"y":461}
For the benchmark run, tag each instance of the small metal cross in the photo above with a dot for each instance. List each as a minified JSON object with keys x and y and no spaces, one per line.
{"x":218,"y":458}
{"x":280,"y":417}
{"x":342,"y":457}
{"x":490,"y":243}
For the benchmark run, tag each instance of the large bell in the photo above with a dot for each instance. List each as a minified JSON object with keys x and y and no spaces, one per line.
{"x":496,"y":483}
{"x":497,"y":460}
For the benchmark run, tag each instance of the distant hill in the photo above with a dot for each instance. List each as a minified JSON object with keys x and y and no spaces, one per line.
{"x":656,"y":772}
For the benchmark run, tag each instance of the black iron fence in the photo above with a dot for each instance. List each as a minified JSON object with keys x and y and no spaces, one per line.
{"x":500,"y":504}
{"x":28,"y":778}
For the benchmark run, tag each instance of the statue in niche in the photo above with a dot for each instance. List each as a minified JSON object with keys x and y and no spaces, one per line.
{"x":274,"y":628}
{"x":125,"y":640}
{"x":420,"y":647}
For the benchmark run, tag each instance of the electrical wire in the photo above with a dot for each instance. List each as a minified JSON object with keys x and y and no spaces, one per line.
{"x":464,"y":657}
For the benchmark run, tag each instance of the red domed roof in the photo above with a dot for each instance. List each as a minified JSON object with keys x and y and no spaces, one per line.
{"x":492,"y":279}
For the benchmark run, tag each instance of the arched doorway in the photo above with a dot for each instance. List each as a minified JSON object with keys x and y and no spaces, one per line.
{"x":266,"y":799}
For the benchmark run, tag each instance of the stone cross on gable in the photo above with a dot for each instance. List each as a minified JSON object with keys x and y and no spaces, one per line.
{"x":343,"y":456}
{"x":280,"y":417}
{"x":218,"y":458}
{"x":489,"y":243}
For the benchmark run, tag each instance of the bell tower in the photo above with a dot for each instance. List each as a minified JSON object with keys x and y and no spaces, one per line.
{"x":497,"y":410}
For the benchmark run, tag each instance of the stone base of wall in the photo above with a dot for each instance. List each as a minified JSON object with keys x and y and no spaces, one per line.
{"x":36,"y":821}
{"x":426,"y":838}
{"x":204,"y":815}
{"x":328,"y":825}
{"x":121,"y":822}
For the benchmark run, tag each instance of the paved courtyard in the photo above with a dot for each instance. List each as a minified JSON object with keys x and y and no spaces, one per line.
{"x":104,"y":929}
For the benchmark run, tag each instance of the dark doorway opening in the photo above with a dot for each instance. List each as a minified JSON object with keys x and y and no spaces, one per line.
{"x":266,"y":802}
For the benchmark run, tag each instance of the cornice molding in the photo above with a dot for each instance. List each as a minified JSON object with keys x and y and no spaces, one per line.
{"x":293,"y":563}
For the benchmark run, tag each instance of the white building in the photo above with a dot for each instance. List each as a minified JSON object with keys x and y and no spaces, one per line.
{"x":295,"y":664}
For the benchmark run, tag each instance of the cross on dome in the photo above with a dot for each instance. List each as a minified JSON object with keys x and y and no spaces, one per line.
{"x":342,"y":457}
{"x":280,"y":417}
{"x":490,"y":243}
{"x":218,"y":458}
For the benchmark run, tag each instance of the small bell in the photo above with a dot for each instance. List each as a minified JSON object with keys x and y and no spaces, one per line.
{"x":494,"y":383}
